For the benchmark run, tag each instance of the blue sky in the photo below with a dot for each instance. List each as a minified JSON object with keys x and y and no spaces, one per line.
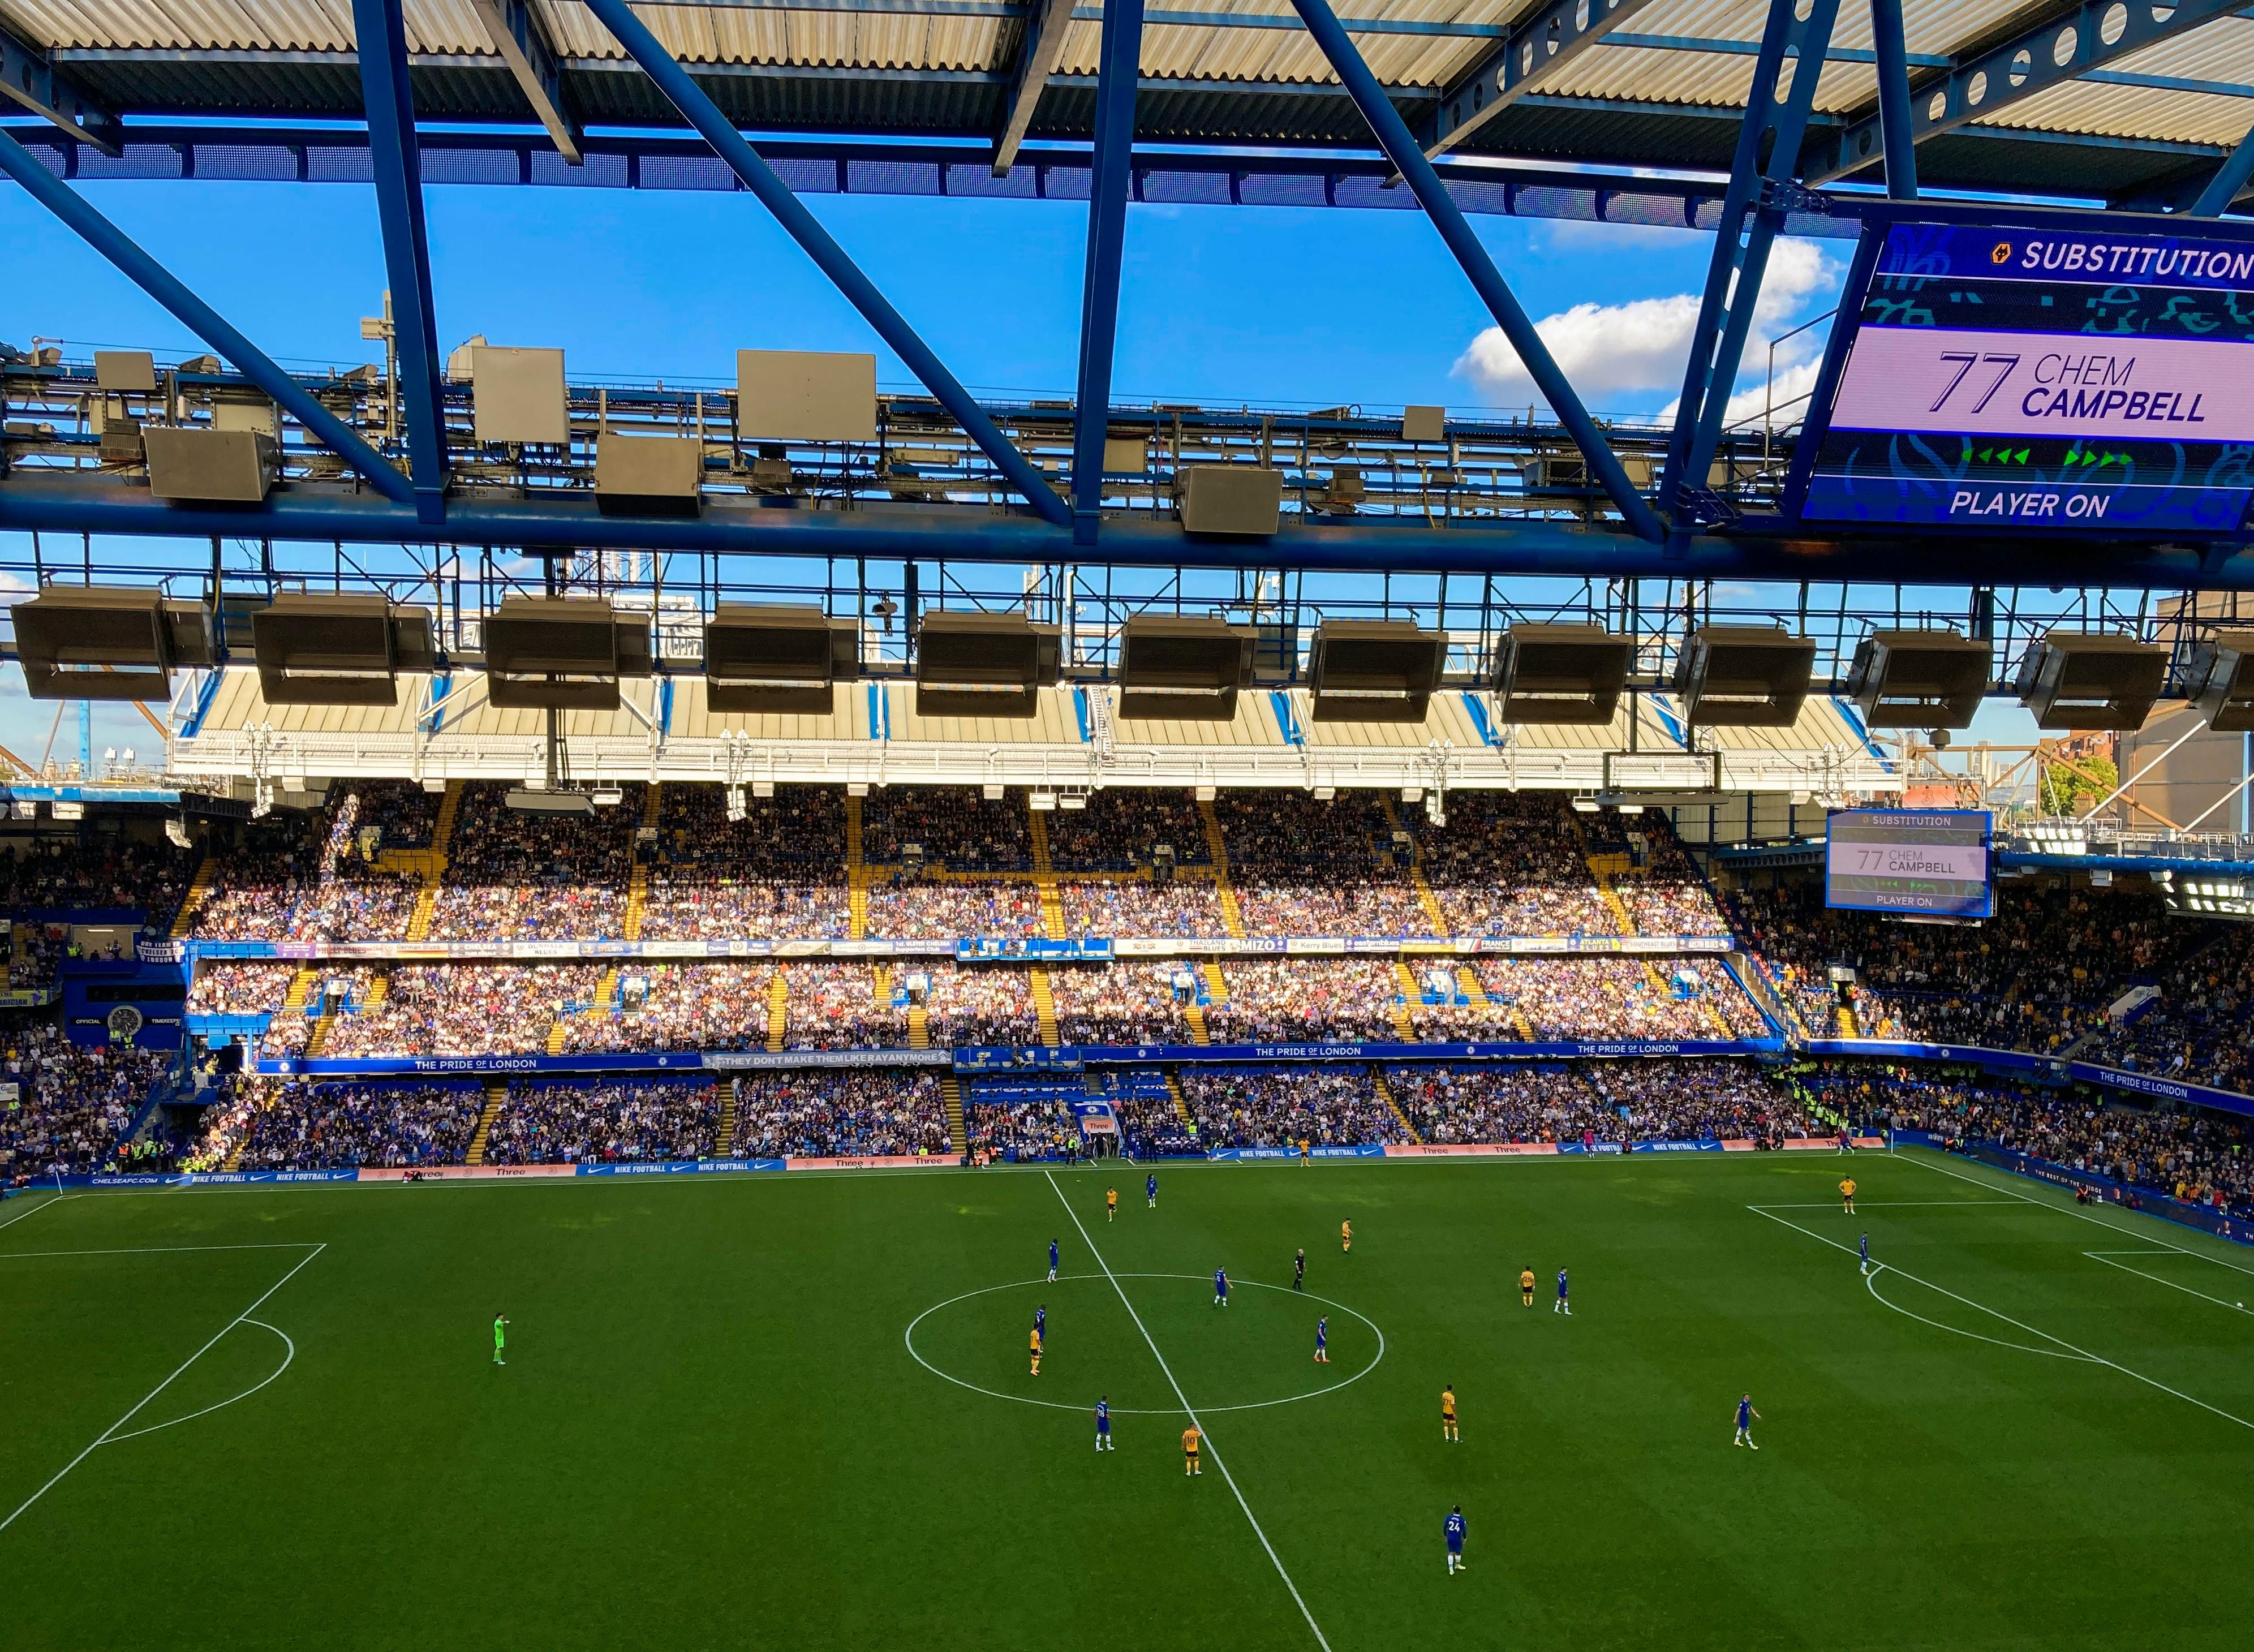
{"x":1270,"y":305}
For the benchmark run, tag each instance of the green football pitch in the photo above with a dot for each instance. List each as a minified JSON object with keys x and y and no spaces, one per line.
{"x":794,"y":1410}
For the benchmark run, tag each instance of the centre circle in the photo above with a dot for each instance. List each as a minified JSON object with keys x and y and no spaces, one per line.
{"x":1138,"y":1338}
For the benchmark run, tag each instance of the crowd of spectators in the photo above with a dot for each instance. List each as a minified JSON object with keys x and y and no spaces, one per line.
{"x":1305,"y":1001}
{"x":2198,"y":1028}
{"x":230,"y":1107}
{"x":1014,"y":1119}
{"x":2034,"y":977}
{"x":1282,"y":1107}
{"x":778,"y":872}
{"x":34,"y":949}
{"x":513,"y":876}
{"x":353,"y":897}
{"x":842,"y":1006}
{"x":1511,"y":864}
{"x":105,"y":872}
{"x":1488,"y":1104}
{"x":2188,"y":1153}
{"x":840,"y":1112}
{"x":256,"y":886}
{"x":677,"y":1006}
{"x":1122,"y":1004}
{"x":1179,"y":908}
{"x":1123,"y":826}
{"x":73,"y":1102}
{"x":906,"y":906}
{"x":1305,"y":866}
{"x":983,"y":1005}
{"x":331,"y":1126}
{"x":231,"y":986}
{"x":1621,"y":998}
{"x":1598,"y":1102}
{"x":654,"y":1120}
{"x":957,"y":827}
{"x":1662,"y":890}
{"x":464,"y":1010}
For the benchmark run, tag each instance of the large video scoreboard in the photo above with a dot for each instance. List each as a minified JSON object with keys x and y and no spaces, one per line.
{"x":2027,"y":378}
{"x":1915,"y":862}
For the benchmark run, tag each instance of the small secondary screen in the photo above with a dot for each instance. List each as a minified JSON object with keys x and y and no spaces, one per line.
{"x":2030,"y":379}
{"x":1928,"y":862}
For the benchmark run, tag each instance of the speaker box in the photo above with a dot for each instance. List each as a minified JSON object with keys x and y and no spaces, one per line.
{"x":194,"y":466}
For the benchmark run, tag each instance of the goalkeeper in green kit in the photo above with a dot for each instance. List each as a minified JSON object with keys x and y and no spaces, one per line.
{"x":501,"y":1338}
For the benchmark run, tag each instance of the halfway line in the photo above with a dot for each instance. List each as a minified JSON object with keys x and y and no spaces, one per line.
{"x":1273,"y":1559}
{"x":108,"y":1433}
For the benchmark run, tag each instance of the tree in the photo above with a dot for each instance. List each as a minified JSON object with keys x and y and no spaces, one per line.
{"x":2071,"y":790}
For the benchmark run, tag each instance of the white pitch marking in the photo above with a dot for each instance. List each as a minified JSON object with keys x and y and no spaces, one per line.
{"x":110,"y":1433}
{"x":1128,"y":1411}
{"x":36,"y":1209}
{"x":2094,"y":1358}
{"x":288,"y":1355}
{"x":2106,"y":1257}
{"x":2067,"y":1210}
{"x":1214,"y":1451}
{"x":154,"y":1251}
{"x":1893,"y":1204}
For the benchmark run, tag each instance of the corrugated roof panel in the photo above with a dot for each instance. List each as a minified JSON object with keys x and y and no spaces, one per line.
{"x":1254,"y":724}
{"x":1053,"y":723}
{"x":735,"y":34}
{"x":2220,"y":51}
{"x":274,"y":25}
{"x":693,"y":719}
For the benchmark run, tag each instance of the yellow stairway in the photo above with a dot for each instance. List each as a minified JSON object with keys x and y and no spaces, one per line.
{"x":426,"y":902}
{"x":320,"y":1040}
{"x":378,"y":991}
{"x":1385,"y":1094}
{"x":1044,"y":1005}
{"x":1404,"y":1027}
{"x":1425,"y":895}
{"x":1216,"y":987}
{"x":919,"y":1028}
{"x":778,"y":1009}
{"x":1846,"y":1018}
{"x":442,"y":831}
{"x":554,"y":1045}
{"x":496,"y":1098}
{"x":1200,"y":1034}
{"x":606,"y":989}
{"x":198,"y":888}
{"x":650,"y":794}
{"x":234,"y":1160}
{"x":857,"y":874}
{"x":1468,"y":984}
{"x":723,"y":1143}
{"x":1181,"y":1102}
{"x":1045,"y":877}
{"x":1231,"y":914}
{"x":637,"y":900}
{"x":300,"y":985}
{"x":958,"y":1133}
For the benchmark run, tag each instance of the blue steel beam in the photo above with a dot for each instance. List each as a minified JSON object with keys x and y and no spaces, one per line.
{"x":522,"y":39}
{"x":318,"y":514}
{"x":1549,"y":37}
{"x":2061,"y":43}
{"x":1433,"y":195}
{"x":1037,"y":59}
{"x":201,"y":320}
{"x":700,"y":112}
{"x":1761,"y":186}
{"x":28,"y":76}
{"x":2230,"y":179}
{"x":1119,"y":61}
{"x":1894,"y":99}
{"x":398,"y":167}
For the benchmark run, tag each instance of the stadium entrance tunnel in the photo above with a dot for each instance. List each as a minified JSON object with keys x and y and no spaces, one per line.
{"x":1255,"y":1353}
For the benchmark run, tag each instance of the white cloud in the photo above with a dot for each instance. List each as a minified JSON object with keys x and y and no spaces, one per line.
{"x":1620,"y":356}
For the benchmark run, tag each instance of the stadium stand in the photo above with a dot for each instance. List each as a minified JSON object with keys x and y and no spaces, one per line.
{"x":840,"y":1112}
{"x":464,"y":1010}
{"x":512,"y":875}
{"x":1509,"y":863}
{"x":677,"y":1006}
{"x":777,"y":873}
{"x":329,"y":1126}
{"x":1303,"y":866}
{"x":113,"y":872}
{"x":568,"y":1121}
{"x":1281,"y":1107}
{"x":1119,"y":1003}
{"x":73,"y":1102}
{"x":1307,"y":1000}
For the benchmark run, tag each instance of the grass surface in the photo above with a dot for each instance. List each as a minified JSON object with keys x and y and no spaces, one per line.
{"x":711,"y":1431}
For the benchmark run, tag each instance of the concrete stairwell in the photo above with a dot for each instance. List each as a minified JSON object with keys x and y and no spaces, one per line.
{"x":1385,"y":1094}
{"x":496,"y":1098}
{"x":301,"y":986}
{"x":724,"y":1140}
{"x":185,"y":920}
{"x":1232,"y":915}
{"x":1045,"y":875}
{"x":1044,"y":1005}
{"x":958,"y":1133}
{"x":1429,"y":901}
{"x":1404,"y":1026}
{"x":778,"y":1010}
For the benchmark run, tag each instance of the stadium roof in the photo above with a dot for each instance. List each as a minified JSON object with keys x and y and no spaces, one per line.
{"x":2129,"y":103}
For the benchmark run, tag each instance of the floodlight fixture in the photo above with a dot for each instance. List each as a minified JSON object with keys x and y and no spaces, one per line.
{"x":777,"y":660}
{"x":562,"y":654}
{"x":1919,"y":679}
{"x":1375,"y":671}
{"x":2222,"y":680}
{"x":2085,"y":680}
{"x":336,"y":649}
{"x":1560,"y":674}
{"x":985,"y":664}
{"x":1743,"y":676}
{"x":108,"y":642}
{"x":1183,"y":668}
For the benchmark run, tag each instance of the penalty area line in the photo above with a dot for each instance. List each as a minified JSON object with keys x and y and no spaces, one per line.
{"x":1214,"y":1450}
{"x":110,"y":1434}
{"x":1982,"y":1307}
